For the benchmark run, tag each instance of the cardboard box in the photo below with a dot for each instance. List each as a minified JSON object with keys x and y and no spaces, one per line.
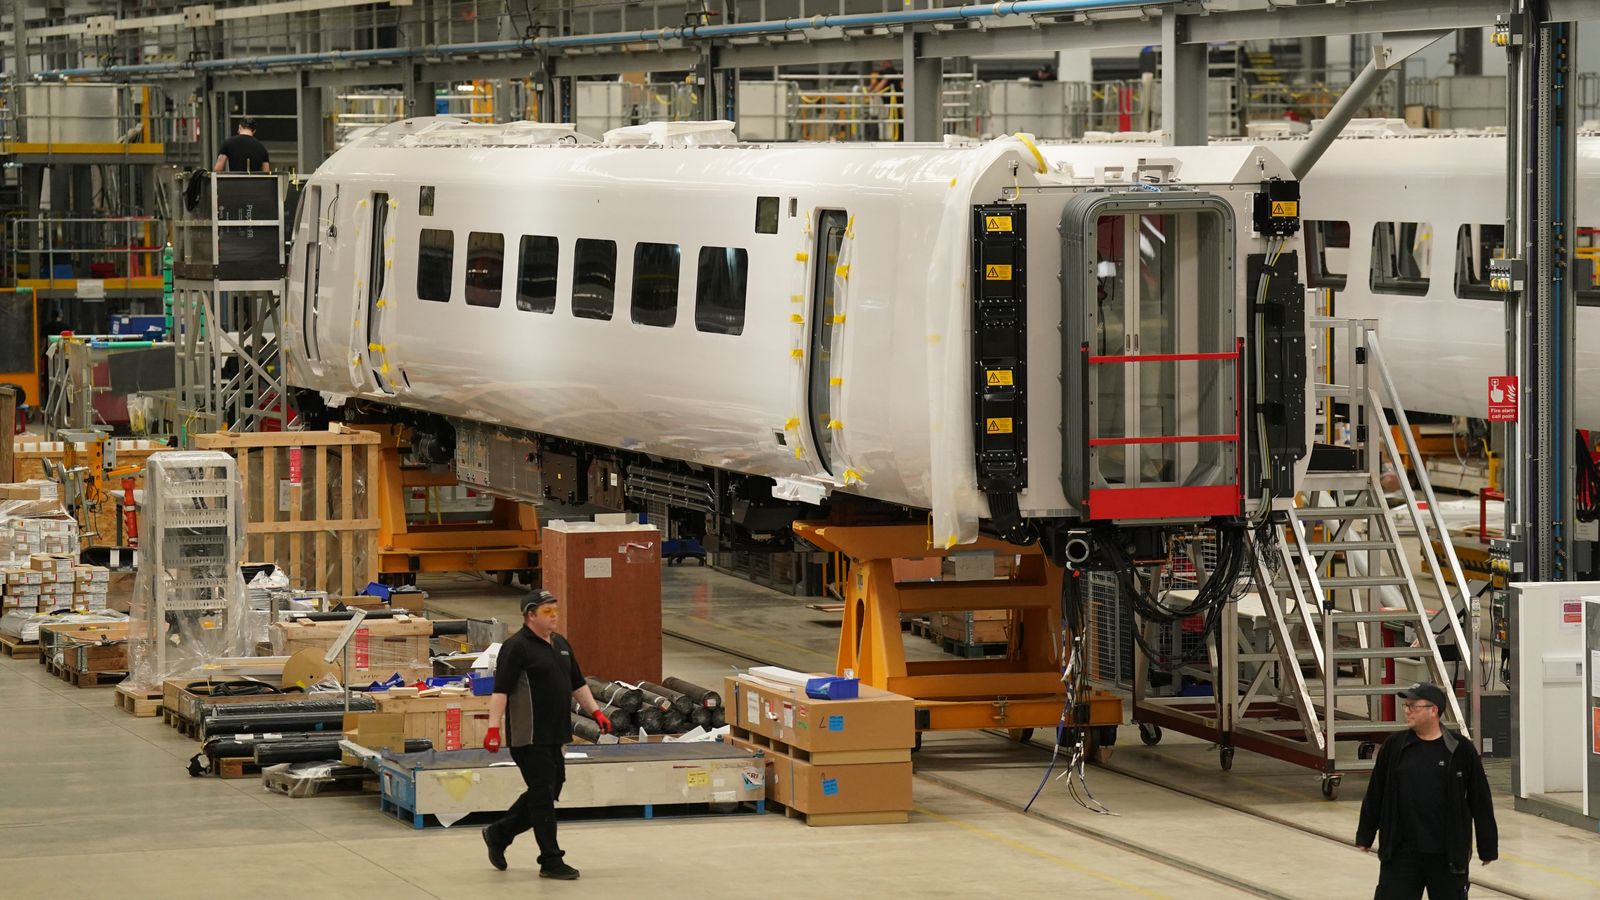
{"x":376,"y":731}
{"x":388,"y":646}
{"x":877,"y":720}
{"x":52,"y":562}
{"x":821,"y":790}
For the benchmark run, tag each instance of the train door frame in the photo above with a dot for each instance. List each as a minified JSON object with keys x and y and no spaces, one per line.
{"x":379,"y":261}
{"x":831,"y":227}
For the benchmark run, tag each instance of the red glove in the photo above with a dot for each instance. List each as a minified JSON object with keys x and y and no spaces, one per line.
{"x":603,"y":721}
{"x":491,"y":740}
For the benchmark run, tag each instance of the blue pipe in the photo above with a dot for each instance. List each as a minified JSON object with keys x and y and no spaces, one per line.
{"x":654,"y":35}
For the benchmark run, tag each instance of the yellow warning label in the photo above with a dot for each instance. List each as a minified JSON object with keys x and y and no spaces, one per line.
{"x":996,"y":223}
{"x":998,"y":378}
{"x":699,"y":779}
{"x":997,"y":426}
{"x":1285,"y":208}
{"x":997,"y":273}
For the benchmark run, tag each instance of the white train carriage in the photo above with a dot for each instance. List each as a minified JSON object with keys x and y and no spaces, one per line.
{"x":880,"y":320}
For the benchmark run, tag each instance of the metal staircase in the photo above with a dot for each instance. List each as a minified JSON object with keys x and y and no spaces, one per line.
{"x":1338,"y":591}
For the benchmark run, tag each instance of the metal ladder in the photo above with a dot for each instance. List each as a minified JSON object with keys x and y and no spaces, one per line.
{"x":1326,"y":627}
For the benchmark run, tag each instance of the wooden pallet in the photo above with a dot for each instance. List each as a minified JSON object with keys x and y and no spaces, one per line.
{"x":237,"y":767}
{"x":751,"y":740}
{"x":140,"y":704}
{"x":85,"y":679}
{"x":974,"y":651}
{"x":922,"y":628}
{"x":820,"y":820}
{"x":16,"y":649}
{"x":311,"y":503}
{"x":186,"y":727}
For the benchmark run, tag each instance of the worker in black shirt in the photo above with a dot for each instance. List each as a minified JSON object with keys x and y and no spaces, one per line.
{"x":1427,"y":795}
{"x":536,"y":678}
{"x":242,"y":152}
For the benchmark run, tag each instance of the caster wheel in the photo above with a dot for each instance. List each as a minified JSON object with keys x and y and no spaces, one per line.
{"x":1330,"y":787}
{"x":1227,"y":759}
{"x":503,"y":577}
{"x":1150,"y":734}
{"x":1021,"y":735}
{"x":1102,"y":743}
{"x":1367,"y":750}
{"x":918,"y":745}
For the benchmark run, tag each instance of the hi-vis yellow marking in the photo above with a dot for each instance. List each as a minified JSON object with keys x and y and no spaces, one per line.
{"x":998,"y":378}
{"x":996,"y":223}
{"x":997,"y":273}
{"x":998,"y":426}
{"x":1285,"y":208}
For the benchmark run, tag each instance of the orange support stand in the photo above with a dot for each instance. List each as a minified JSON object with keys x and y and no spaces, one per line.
{"x":1018,"y":692}
{"x":508,"y":542}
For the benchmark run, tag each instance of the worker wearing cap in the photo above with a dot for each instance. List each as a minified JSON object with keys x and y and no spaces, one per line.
{"x":1427,"y":795}
{"x":536,"y":677}
{"x":243,"y":152}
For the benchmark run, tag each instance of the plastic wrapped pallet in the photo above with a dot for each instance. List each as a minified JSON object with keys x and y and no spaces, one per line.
{"x":24,"y":626}
{"x":188,"y":605}
{"x":32,"y":520}
{"x":380,"y":648}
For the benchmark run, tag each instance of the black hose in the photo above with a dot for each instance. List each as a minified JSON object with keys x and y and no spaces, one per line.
{"x":703,"y":696}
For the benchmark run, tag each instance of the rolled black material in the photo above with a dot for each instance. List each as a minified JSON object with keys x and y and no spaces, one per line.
{"x":700,"y":717}
{"x":681,"y":704}
{"x":449,"y":626}
{"x":286,"y":715}
{"x":674,"y":722}
{"x":703,"y":696}
{"x":719,"y":717}
{"x":648,"y":718}
{"x":294,"y":750}
{"x":586,"y":728}
{"x":621,"y":720}
{"x":611,"y":693}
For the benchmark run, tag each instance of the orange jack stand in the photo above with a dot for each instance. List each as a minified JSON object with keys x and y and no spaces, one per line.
{"x":507,"y":543}
{"x":1018,"y":692}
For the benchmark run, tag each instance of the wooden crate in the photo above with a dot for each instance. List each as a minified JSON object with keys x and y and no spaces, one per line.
{"x":984,"y":626}
{"x":310,"y":503}
{"x":100,"y":529}
{"x":432,"y":718}
{"x":87,"y":647}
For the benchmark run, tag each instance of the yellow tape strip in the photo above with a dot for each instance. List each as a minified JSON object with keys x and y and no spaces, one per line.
{"x":802,"y":256}
{"x":1038,"y":158}
{"x":797,"y":353}
{"x":791,"y":423}
{"x":835,"y":425}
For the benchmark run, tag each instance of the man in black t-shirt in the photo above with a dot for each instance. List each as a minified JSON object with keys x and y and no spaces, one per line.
{"x":536,"y":678}
{"x":1427,"y":796}
{"x":242,"y":152}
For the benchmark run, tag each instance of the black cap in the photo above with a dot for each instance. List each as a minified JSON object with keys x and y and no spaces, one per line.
{"x":536,"y":599}
{"x":247,"y":122}
{"x":1431,"y":693}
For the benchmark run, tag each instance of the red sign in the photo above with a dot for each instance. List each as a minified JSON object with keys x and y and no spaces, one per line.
{"x":1594,"y":730}
{"x":1572,"y":612}
{"x":452,"y":728}
{"x":1503,"y":398}
{"x":362,"y":648}
{"x":294,"y":466}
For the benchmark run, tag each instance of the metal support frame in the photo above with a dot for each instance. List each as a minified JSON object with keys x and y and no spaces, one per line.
{"x":1022,"y":690}
{"x":309,"y":111}
{"x":923,"y":91}
{"x":1184,"y":70}
{"x":229,"y":377}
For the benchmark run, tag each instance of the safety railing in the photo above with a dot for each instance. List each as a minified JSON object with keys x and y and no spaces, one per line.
{"x":47,"y":253}
{"x":95,"y":117}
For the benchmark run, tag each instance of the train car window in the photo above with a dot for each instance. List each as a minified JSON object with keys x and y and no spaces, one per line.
{"x":1586,"y":265}
{"x":1327,"y":254}
{"x":766,"y":215}
{"x":486,"y":265}
{"x":594,"y":279}
{"x":655,"y":284}
{"x":425,"y":200}
{"x":1400,"y":258}
{"x":436,"y":251}
{"x":1475,"y":246}
{"x":536,"y":276}
{"x":720,"y":290}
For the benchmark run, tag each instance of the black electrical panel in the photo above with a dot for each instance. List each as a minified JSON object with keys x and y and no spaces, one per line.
{"x":1000,"y":346}
{"x":1277,"y":208}
{"x":1278,"y":364}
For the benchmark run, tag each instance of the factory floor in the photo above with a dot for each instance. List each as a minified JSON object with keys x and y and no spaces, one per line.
{"x":95,"y":803}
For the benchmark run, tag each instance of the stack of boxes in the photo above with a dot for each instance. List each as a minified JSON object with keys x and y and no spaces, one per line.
{"x":838,"y":762}
{"x":53,"y":581}
{"x":57,"y":588}
{"x":92,"y":585}
{"x":21,"y":589}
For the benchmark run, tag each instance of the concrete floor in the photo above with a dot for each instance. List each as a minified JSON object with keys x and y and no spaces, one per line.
{"x":94,"y":804}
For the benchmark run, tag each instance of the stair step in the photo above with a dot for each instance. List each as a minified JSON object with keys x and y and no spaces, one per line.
{"x":1352,"y":618}
{"x":1300,"y":655}
{"x":1340,"y":512}
{"x":1361,"y":581}
{"x":1368,"y":725}
{"x":1367,"y":690}
{"x":1341,"y":546}
{"x":1381,"y":653}
{"x":1334,"y":481}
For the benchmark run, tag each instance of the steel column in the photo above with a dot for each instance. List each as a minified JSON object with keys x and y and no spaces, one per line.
{"x":1183,"y":83}
{"x":922,"y":101}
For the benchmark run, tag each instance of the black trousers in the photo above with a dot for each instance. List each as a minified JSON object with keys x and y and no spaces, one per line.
{"x":544,"y":771}
{"x":1404,"y":875}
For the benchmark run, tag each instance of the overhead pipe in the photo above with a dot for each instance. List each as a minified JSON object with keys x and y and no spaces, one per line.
{"x":1386,"y":56}
{"x":652,"y":35}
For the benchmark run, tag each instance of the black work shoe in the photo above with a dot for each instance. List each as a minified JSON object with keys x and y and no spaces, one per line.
{"x":497,"y":853}
{"x":559,"y":871}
